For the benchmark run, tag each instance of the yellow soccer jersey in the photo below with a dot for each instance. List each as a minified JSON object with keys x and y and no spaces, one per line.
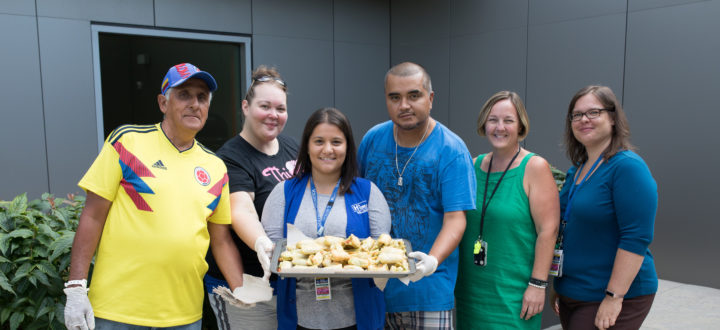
{"x":151,"y":257}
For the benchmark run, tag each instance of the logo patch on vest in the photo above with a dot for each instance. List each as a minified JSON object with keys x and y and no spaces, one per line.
{"x":202,"y":176}
{"x":360,"y":207}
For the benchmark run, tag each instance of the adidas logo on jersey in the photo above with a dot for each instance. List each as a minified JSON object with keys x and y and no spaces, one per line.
{"x":159,"y":164}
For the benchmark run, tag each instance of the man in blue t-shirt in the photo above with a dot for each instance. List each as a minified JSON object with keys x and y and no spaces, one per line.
{"x":425,"y":172}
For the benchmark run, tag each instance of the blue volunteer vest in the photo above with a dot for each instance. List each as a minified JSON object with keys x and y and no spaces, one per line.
{"x":369,"y":300}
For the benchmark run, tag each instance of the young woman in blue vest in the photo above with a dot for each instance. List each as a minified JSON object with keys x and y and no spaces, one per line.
{"x":326,"y":197}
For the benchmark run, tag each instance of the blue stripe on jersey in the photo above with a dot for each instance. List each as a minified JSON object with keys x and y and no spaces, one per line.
{"x":132,"y":178}
{"x":214,"y":204}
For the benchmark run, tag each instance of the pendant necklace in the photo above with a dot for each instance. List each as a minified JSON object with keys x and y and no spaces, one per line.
{"x":397,"y":167}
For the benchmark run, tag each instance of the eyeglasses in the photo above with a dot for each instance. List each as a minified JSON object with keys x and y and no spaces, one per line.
{"x":590,"y":114}
{"x":269,"y":78}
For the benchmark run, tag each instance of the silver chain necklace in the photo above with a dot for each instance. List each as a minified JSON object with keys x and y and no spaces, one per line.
{"x":397,"y":167}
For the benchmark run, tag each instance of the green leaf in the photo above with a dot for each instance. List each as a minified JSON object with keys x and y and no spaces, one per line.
{"x":5,"y":314}
{"x":17,"y":303}
{"x":59,"y":312}
{"x":16,"y":319}
{"x":22,"y":259}
{"x":61,"y":245}
{"x":47,"y":268}
{"x":5,"y":223}
{"x":41,"y":251}
{"x":43,"y":311}
{"x":46,"y":230}
{"x":41,"y":277}
{"x":45,"y":307}
{"x":38,"y":323}
{"x":24,"y":233}
{"x":4,"y":243}
{"x":4,"y":260}
{"x":60,"y":214}
{"x":22,"y":271}
{"x":19,"y":204}
{"x":5,"y":285}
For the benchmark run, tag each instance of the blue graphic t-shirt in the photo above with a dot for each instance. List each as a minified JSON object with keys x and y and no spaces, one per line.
{"x":439,"y":178}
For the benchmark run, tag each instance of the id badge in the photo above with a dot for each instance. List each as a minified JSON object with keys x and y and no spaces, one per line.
{"x":557,"y":262}
{"x":322,"y":288}
{"x":480,"y":253}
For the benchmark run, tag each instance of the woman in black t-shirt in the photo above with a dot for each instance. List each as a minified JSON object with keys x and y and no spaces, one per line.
{"x":257,"y":159}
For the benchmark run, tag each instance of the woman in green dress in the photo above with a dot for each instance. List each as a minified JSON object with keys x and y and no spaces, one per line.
{"x":507,"y":248}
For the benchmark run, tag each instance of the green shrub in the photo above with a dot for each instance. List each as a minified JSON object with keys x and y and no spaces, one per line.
{"x":559,"y":177}
{"x":35,"y":241}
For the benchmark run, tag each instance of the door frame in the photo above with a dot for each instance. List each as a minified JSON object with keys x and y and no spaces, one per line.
{"x":96,"y":29}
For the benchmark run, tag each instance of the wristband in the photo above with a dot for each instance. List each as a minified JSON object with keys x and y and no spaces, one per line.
{"x":534,"y":282}
{"x":613,"y":294}
{"x":82,"y":283}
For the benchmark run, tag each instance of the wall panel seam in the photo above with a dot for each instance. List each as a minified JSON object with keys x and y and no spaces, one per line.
{"x":42,"y":96}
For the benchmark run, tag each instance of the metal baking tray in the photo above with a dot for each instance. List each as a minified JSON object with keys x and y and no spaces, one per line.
{"x":322,"y":272}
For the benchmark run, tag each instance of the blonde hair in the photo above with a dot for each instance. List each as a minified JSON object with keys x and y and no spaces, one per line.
{"x":519,"y":107}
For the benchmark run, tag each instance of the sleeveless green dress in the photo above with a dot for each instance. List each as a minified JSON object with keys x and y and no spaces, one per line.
{"x":490,"y":297}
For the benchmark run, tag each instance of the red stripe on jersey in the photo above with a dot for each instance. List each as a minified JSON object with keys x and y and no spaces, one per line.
{"x":216,"y":190}
{"x":133,"y":162}
{"x":135,"y":196}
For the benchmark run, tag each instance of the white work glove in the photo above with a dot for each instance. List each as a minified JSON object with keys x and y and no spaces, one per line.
{"x":263,"y":248}
{"x":231,"y":298}
{"x":78,"y":311}
{"x":424,"y":267}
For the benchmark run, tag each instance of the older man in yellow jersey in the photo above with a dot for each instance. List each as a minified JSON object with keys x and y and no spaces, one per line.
{"x":156,"y":199}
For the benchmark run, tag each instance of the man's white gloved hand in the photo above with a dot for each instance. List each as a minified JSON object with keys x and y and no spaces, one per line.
{"x":78,"y":311}
{"x":231,"y":298}
{"x":425,"y":265}
{"x":263,"y":248}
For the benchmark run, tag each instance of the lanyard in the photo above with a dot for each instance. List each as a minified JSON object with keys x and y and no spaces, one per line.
{"x":571,"y":195}
{"x":331,"y":201}
{"x":487,"y":179}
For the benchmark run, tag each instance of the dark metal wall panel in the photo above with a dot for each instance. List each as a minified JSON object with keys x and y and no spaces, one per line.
{"x":672,"y":85}
{"x":554,"y":11}
{"x":435,"y":57}
{"x":365,"y":22}
{"x":23,"y":164}
{"x":562,"y":58}
{"x":420,"y":33}
{"x":487,"y":54}
{"x":67,"y":80}
{"x":361,"y":58}
{"x":470,"y":17}
{"x":481,"y":65}
{"x":17,"y":7}
{"x":310,"y":19}
{"x":213,"y":15}
{"x":359,"y":88}
{"x":635,"y":5}
{"x":111,"y":11}
{"x":307,"y":66}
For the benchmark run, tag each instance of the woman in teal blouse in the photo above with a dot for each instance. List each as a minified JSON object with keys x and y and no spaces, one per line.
{"x":608,"y":204}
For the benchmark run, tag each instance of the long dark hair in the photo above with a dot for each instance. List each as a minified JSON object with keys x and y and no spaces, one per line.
{"x":620,"y":139}
{"x":334,"y":117}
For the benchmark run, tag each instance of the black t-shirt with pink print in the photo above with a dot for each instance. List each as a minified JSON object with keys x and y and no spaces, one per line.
{"x":253,"y":171}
